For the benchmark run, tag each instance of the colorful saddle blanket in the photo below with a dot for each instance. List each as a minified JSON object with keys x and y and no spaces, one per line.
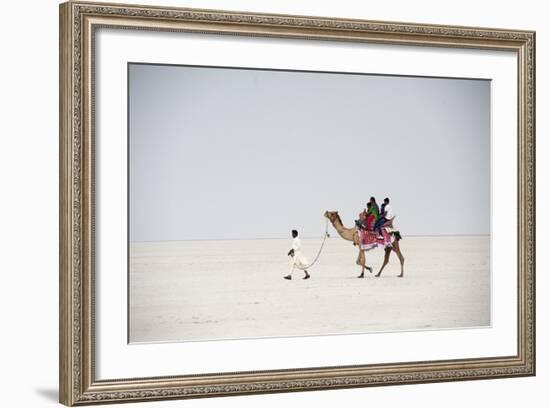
{"x":370,"y":240}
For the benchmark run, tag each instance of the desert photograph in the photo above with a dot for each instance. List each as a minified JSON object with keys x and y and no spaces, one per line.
{"x":278,"y":203}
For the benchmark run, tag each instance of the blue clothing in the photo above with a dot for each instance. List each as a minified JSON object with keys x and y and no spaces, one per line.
{"x":379,"y":223}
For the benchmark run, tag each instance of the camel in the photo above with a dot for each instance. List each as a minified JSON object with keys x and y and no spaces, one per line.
{"x":351,"y":234}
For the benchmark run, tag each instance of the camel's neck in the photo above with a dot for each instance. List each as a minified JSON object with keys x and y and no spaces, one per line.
{"x":345,"y":233}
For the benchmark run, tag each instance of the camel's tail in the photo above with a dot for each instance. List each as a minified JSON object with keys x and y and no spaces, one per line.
{"x":397,"y":235}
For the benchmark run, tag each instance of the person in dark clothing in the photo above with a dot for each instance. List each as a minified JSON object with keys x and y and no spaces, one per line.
{"x":385,"y":215}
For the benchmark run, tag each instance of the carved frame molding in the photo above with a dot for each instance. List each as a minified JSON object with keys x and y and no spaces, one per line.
{"x":78,"y":20}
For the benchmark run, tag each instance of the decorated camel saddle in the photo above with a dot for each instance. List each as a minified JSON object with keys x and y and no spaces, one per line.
{"x":370,"y":239}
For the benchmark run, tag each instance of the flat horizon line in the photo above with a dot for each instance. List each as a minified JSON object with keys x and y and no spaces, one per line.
{"x":308,"y":237}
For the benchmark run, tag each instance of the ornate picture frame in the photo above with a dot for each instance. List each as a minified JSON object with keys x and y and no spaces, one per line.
{"x":78,"y":24}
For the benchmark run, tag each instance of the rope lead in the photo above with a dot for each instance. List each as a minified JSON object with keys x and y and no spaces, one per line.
{"x":318,"y":253}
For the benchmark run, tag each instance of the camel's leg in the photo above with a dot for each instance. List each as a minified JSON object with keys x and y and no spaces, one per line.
{"x":361,"y":258}
{"x":400,"y":256}
{"x":361,"y":262}
{"x":387,"y":252}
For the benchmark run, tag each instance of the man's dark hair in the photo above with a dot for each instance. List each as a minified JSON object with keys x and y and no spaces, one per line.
{"x":369,"y":204}
{"x":373,"y":199}
{"x":386,"y":200}
{"x":294,"y":233}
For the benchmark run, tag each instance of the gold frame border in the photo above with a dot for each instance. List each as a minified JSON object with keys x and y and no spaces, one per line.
{"x":78,"y":21}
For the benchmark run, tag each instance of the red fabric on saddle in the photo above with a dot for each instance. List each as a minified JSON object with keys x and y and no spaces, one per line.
{"x":369,"y":239}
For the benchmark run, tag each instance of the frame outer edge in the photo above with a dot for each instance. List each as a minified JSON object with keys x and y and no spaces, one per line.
{"x":66,"y":322}
{"x":77,"y":385}
{"x":532,"y":128}
{"x":526,"y":203}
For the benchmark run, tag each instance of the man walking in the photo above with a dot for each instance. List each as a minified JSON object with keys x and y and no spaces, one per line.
{"x":298,"y":258}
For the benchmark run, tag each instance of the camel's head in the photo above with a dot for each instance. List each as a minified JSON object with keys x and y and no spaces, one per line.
{"x":331,"y":215}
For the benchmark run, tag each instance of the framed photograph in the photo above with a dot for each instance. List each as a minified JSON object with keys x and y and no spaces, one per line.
{"x":254,"y":203}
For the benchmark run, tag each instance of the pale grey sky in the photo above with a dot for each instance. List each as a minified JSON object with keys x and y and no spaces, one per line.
{"x":219,"y":153}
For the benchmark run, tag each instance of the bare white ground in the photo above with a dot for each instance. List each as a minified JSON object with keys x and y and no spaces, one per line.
{"x":207,"y":290}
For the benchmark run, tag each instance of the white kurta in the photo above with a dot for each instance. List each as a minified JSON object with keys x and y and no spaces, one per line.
{"x":389,"y":212}
{"x":299,"y":258}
